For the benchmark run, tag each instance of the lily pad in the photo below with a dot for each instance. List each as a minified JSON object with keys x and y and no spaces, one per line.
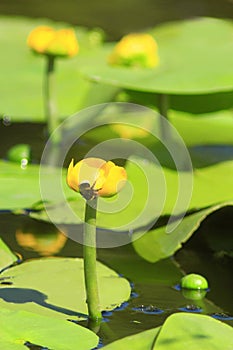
{"x":157,"y":244}
{"x":211,"y":185}
{"x":19,"y":327}
{"x":55,"y":287}
{"x":192,"y":331}
{"x":7,"y":258}
{"x":204,"y":129}
{"x":140,"y":341}
{"x":195,"y":58}
{"x":181,"y":331}
{"x":20,"y":186}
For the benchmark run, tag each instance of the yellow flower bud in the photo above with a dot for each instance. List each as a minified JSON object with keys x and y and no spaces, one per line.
{"x":94,"y":177}
{"x":45,"y":40}
{"x":135,"y":50}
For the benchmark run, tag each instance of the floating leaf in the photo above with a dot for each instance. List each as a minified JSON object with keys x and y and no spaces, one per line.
{"x":19,"y":327}
{"x":140,"y":341}
{"x":204,"y":129}
{"x":192,"y":331}
{"x":195,"y":58}
{"x":55,"y":287}
{"x":7,"y":258}
{"x":211,"y":185}
{"x":181,"y":331}
{"x":158,"y":244}
{"x":20,"y":188}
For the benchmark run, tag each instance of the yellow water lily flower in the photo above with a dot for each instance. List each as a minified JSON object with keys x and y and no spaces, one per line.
{"x":48,"y":41}
{"x":135,"y":50}
{"x":94,"y":177}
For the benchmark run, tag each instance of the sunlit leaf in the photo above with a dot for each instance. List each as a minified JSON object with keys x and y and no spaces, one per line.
{"x":180,"y":331}
{"x":19,"y":327}
{"x":195,"y":58}
{"x":212,"y":185}
{"x":192,"y":331}
{"x":20,"y":187}
{"x":55,"y":287}
{"x":158,"y":244}
{"x":140,"y":341}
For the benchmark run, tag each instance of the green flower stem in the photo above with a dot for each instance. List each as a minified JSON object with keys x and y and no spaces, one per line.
{"x":49,"y":95}
{"x":89,"y":252}
{"x":51,"y":109}
{"x":163,"y":106}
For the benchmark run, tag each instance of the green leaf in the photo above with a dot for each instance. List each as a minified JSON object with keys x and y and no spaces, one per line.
{"x":157,"y":244}
{"x":212,"y":185}
{"x":20,"y":187}
{"x":24,"y":76}
{"x":180,"y":331}
{"x":140,"y":341}
{"x":55,"y":287}
{"x":195,"y":58}
{"x":204,"y":129}
{"x":7,"y":258}
{"x":194,"y":332}
{"x":18,"y":327}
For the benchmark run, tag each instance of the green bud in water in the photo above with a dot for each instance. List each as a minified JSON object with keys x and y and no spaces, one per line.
{"x":19,"y":154}
{"x":194,"y":281}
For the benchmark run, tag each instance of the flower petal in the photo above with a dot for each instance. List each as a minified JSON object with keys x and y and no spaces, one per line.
{"x":40,"y":38}
{"x":115,"y":181}
{"x":71,"y":178}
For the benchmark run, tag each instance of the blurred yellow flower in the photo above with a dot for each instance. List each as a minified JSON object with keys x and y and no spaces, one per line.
{"x":135,"y":50}
{"x":129,"y":131}
{"x":46,"y":244}
{"x":48,"y":41}
{"x":94,"y":177}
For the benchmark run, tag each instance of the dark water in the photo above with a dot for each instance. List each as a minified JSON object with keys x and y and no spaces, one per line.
{"x":117,"y":17}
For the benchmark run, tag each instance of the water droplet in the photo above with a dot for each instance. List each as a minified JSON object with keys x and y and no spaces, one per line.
{"x":152,"y":310}
{"x":190,"y":308}
{"x":6,"y":120}
{"x":24,"y":163}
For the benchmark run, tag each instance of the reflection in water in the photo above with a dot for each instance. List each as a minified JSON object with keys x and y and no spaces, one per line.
{"x":41,"y":238}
